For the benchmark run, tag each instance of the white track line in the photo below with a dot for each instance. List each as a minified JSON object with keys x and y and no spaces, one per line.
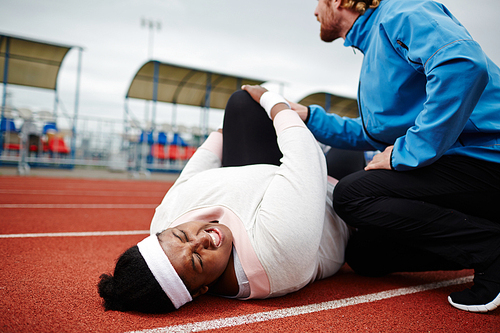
{"x":85,"y":193}
{"x":300,"y":310}
{"x":77,"y":234}
{"x":82,"y":206}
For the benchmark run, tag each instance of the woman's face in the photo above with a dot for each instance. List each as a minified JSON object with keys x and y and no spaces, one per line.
{"x":199,"y":251}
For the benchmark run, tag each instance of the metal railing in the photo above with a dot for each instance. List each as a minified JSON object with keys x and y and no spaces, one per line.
{"x":37,"y":139}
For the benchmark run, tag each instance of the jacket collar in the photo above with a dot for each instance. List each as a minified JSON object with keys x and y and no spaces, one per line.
{"x":358,"y":36}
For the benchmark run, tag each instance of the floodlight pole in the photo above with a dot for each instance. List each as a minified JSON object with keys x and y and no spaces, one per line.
{"x":150,"y":25}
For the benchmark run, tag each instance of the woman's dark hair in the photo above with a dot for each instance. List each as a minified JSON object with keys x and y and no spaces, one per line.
{"x":133,"y":287}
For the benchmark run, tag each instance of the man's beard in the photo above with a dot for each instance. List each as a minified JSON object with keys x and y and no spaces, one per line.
{"x":329,"y":34}
{"x":330,"y":28}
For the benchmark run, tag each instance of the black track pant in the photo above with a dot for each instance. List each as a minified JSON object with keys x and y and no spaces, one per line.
{"x":444,"y":216}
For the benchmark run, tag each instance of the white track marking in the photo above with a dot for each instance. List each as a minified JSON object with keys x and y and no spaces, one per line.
{"x":300,"y":310}
{"x":77,"y":234}
{"x":82,"y":206}
{"x":85,"y":193}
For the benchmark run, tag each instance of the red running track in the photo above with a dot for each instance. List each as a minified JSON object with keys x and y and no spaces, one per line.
{"x":51,"y":258}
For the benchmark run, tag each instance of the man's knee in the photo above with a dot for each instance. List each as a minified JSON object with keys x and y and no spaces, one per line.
{"x":352,"y":198}
{"x":345,"y":191}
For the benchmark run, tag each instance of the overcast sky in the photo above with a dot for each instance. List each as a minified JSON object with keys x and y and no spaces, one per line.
{"x":276,"y":40}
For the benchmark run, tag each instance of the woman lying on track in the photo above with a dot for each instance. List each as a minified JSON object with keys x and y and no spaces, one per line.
{"x":249,"y":217}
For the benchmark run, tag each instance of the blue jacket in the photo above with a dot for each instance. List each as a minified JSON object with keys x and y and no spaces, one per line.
{"x":425,"y":87}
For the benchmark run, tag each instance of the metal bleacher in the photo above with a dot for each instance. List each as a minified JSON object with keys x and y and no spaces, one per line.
{"x":38,"y":139}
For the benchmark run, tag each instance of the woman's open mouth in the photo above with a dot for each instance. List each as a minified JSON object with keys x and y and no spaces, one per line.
{"x":216,"y":235}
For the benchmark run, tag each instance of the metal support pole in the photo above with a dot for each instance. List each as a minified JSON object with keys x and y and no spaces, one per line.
{"x":56,"y":104}
{"x":328,"y":101}
{"x":77,"y":97}
{"x":4,"y":95}
{"x":155,"y":93}
{"x":174,"y":116}
{"x":207,"y":104}
{"x":125,"y":123}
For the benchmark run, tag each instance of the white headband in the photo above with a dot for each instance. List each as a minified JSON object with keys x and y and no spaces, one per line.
{"x":163,"y":271}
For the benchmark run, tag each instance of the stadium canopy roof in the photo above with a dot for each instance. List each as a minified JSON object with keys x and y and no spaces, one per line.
{"x":34,"y":63}
{"x":333,"y":104}
{"x":175,"y":84}
{"x":29,"y":62}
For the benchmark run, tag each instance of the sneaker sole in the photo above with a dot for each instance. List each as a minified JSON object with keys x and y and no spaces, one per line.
{"x":478,"y":308}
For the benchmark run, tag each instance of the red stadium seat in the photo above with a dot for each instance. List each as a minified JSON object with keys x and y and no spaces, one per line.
{"x":188,"y":152}
{"x":11,"y":146}
{"x":158,"y":151}
{"x":173,"y":152}
{"x":57,"y":145}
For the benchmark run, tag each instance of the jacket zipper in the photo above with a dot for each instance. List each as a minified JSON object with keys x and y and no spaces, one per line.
{"x":403,"y":45}
{"x":363,"y":119}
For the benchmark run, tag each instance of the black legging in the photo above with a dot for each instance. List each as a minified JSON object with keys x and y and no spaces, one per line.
{"x":249,"y":135}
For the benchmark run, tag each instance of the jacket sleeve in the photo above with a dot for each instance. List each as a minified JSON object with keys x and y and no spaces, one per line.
{"x":456,"y":70}
{"x":336,"y":131}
